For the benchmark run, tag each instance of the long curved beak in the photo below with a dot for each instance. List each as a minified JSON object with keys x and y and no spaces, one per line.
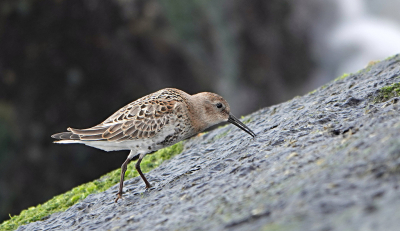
{"x":232,"y":119}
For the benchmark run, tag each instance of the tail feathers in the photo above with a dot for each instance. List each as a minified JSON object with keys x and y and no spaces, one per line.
{"x":69,"y":142}
{"x":90,"y":134}
{"x":66,"y":136}
{"x":88,"y":131}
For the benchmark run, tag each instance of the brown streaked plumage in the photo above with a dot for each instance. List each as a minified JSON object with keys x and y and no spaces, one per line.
{"x":152,"y":122}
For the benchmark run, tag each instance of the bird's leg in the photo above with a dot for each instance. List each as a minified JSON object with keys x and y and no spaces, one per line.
{"x":121,"y":182}
{"x":137,"y":166}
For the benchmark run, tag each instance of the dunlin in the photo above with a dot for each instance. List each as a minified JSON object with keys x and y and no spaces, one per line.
{"x":153,"y":122}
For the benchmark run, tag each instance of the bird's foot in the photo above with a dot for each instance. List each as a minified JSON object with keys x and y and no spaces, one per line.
{"x":148,"y":186}
{"x":119,"y":196}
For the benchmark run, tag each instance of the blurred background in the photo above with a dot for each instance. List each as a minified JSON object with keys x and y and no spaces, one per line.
{"x":73,"y":63}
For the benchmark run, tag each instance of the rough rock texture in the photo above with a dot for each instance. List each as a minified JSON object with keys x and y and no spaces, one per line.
{"x":74,"y":63}
{"x":329,"y":160}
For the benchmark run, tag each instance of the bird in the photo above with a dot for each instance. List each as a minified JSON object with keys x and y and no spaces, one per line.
{"x":152,"y":122}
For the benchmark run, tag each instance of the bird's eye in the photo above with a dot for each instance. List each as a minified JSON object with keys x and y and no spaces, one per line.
{"x":219,"y":105}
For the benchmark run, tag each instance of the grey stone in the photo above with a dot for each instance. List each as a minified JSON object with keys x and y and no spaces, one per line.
{"x":329,"y":160}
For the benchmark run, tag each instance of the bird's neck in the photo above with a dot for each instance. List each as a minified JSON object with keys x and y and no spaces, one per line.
{"x":199,"y":118}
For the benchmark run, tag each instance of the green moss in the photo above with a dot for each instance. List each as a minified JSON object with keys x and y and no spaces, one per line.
{"x":244,"y":120}
{"x":391,"y":57}
{"x":388,"y":92}
{"x":64,"y":201}
{"x":219,"y":136}
{"x":345,"y":75}
{"x":312,"y":92}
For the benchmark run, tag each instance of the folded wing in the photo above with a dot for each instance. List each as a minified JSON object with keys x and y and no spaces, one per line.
{"x":137,"y":120}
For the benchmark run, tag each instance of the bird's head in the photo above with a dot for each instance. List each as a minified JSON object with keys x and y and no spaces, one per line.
{"x":212,"y":109}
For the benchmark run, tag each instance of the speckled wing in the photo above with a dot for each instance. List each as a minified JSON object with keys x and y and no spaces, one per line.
{"x":137,"y":120}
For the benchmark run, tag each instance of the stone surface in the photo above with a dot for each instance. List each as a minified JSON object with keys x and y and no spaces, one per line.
{"x":329,"y":160}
